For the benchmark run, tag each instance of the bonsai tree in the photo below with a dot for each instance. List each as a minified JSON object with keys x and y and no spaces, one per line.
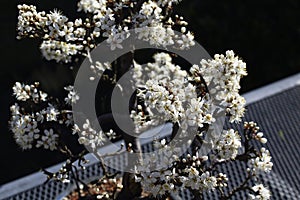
{"x":194,"y":99}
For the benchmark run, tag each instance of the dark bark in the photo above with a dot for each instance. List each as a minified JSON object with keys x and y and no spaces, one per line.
{"x":197,"y":195}
{"x":130,"y":189}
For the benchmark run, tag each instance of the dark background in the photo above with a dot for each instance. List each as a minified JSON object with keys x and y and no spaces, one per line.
{"x":265,"y":33}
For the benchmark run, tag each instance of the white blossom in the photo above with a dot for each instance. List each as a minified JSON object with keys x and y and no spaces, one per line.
{"x":24,"y":92}
{"x":31,"y":128}
{"x":186,"y":41}
{"x":56,"y":17}
{"x":30,"y":21}
{"x":51,"y":113}
{"x":225,"y":72}
{"x":90,"y":5}
{"x":59,"y":51}
{"x":263,"y":162}
{"x":261,"y":193}
{"x":228,"y":145}
{"x":48,"y":140}
{"x":90,"y":137}
{"x":21,"y":91}
{"x":72,"y":97}
{"x":115,"y":42}
{"x":197,"y":181}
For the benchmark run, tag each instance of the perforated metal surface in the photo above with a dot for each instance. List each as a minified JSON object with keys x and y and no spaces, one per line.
{"x":277,"y":115}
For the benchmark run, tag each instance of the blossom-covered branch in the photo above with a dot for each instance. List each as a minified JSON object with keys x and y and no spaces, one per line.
{"x":166,"y":93}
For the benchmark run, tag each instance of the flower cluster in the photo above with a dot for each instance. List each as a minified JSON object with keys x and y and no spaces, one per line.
{"x":61,"y":39}
{"x":34,"y":127}
{"x":91,"y":6}
{"x":30,"y":22}
{"x":59,"y":51}
{"x":190,"y":169}
{"x":160,"y":171}
{"x":228,"y":145}
{"x":261,"y":193}
{"x":20,"y":125}
{"x":91,"y":138}
{"x":199,"y":182}
{"x":163,"y":180}
{"x":25,"y":126}
{"x":223,"y":74}
{"x":168,"y":95}
{"x":261,"y":160}
{"x":64,"y":39}
{"x":162,"y":69}
{"x":24,"y":92}
{"x":26,"y":131}
{"x":262,"y":163}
